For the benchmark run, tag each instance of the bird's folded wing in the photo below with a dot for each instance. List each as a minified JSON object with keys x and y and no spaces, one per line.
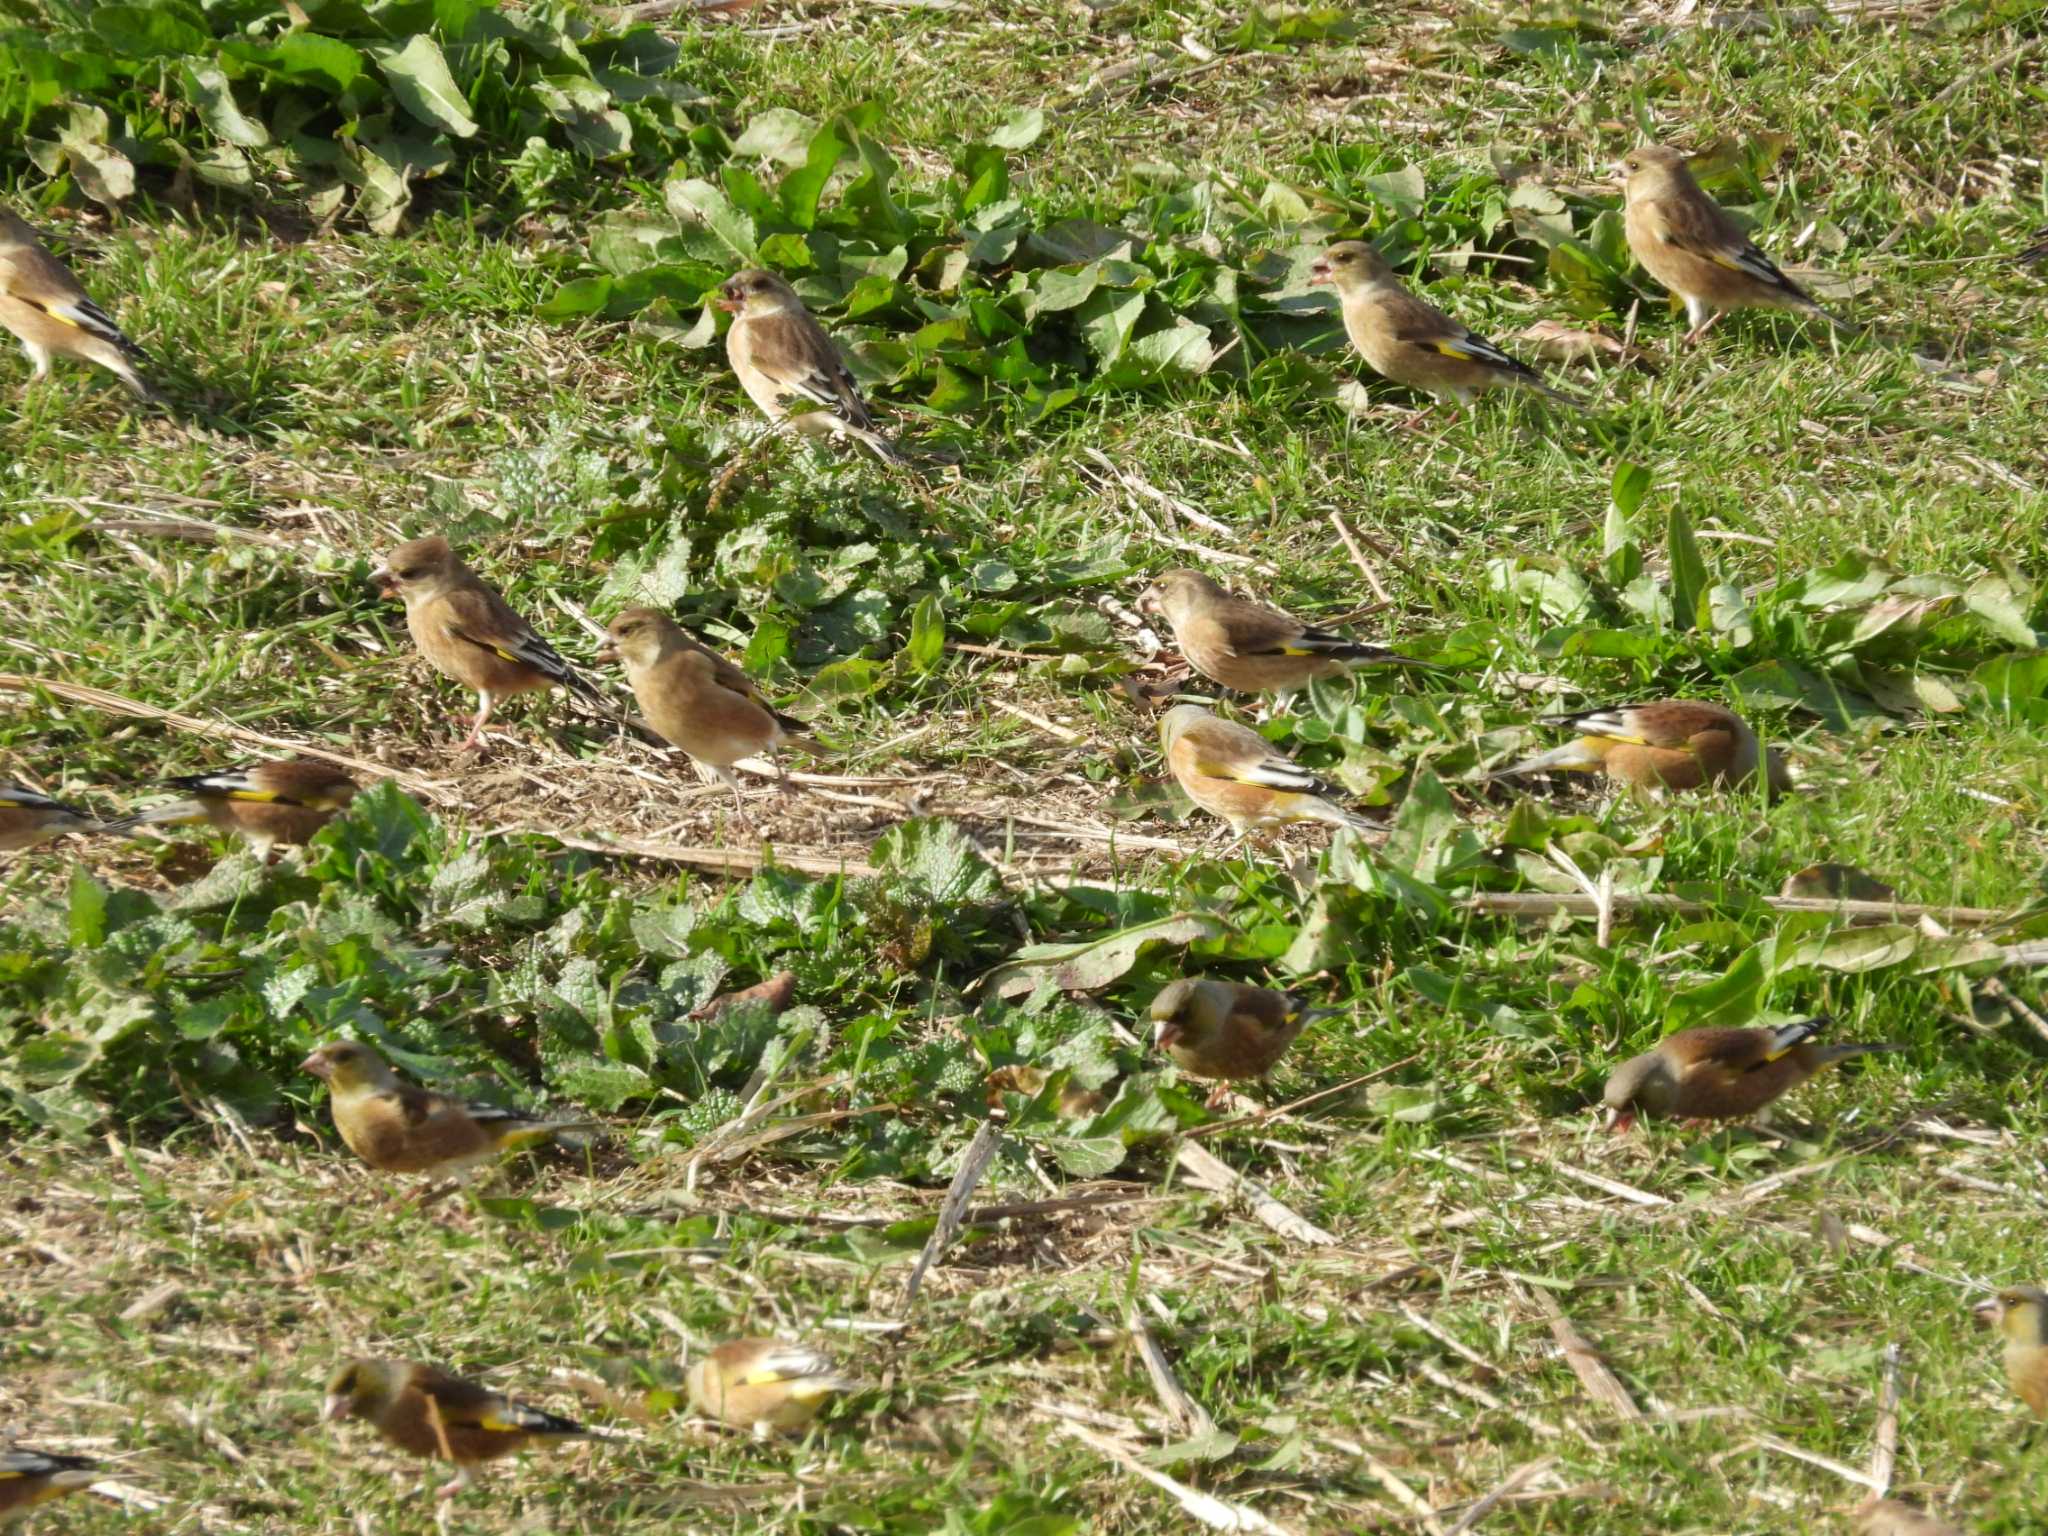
{"x":233,"y":786}
{"x":1465,"y":348}
{"x":1310,"y":641}
{"x":802,"y":362}
{"x":1606,"y":724}
{"x":473,"y":618}
{"x":1267,"y":772}
{"x":1726,"y":246}
{"x":29,"y":800}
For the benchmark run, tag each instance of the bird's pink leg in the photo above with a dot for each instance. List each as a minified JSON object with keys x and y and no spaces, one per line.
{"x":475,"y":743}
{"x":1703,"y":327}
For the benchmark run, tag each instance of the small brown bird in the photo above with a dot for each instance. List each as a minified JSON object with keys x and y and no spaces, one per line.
{"x":1890,"y":1517}
{"x":1669,"y":744}
{"x":1223,"y":1031}
{"x":429,"y":1412}
{"x":398,"y":1127}
{"x":783,"y":357}
{"x":469,"y":633}
{"x":696,"y":699}
{"x":286,"y":801}
{"x":1686,"y":242}
{"x":1232,"y":772}
{"x":50,"y":315}
{"x":2021,"y":1314}
{"x":764,"y":1384}
{"x":27,"y":818}
{"x":1720,"y":1074}
{"x":1413,"y":343}
{"x":1247,"y":646}
{"x":29,"y":1478}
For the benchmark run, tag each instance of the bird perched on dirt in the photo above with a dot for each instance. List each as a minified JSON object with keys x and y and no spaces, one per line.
{"x":1720,"y":1074}
{"x":399,"y":1127}
{"x":1890,"y":1517}
{"x":1248,"y":646}
{"x":28,"y":818}
{"x":1668,"y":744}
{"x":1235,"y":773}
{"x":29,"y":1478}
{"x":50,"y":315}
{"x":469,"y":633}
{"x":429,"y":1412}
{"x":286,"y":801}
{"x":783,"y":357}
{"x":696,"y":699}
{"x":1414,"y":343}
{"x":1225,"y":1031}
{"x":1685,"y":241}
{"x":764,"y":1384}
{"x":2021,"y":1314}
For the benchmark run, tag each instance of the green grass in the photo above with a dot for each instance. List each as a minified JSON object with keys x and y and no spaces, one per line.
{"x":338,"y":391}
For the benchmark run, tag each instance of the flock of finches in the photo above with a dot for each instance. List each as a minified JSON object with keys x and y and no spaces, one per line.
{"x":701,"y":703}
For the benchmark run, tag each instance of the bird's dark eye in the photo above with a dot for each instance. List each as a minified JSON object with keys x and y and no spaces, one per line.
{"x":410,"y":573}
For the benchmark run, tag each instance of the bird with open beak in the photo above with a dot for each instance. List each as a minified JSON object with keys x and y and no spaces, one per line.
{"x":2020,"y":1312}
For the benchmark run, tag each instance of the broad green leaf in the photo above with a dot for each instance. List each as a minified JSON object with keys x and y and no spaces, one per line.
{"x":382,"y":190}
{"x":601,"y":135}
{"x":779,"y":134}
{"x":88,"y":918}
{"x":927,"y":644}
{"x":2008,"y":681}
{"x":603,"y":1085}
{"x":1732,"y":999}
{"x":147,"y":32}
{"x":1729,"y":613}
{"x":854,"y":678}
{"x":1852,"y":580}
{"x":1991,"y":599}
{"x":1073,"y":241}
{"x":1628,"y":486}
{"x":1060,"y":288}
{"x":1107,"y":320}
{"x":419,"y":78}
{"x":1096,"y":962}
{"x":1400,"y":190}
{"x":1689,"y":577}
{"x":802,"y":187}
{"x":712,"y":227}
{"x":1183,"y":347}
{"x":1853,"y":950}
{"x":305,"y":58}
{"x":208,"y":87}
{"x":1020,"y":130}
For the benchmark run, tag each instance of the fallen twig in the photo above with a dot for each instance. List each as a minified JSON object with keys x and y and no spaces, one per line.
{"x":1217,"y":1514}
{"x":980,"y":1153}
{"x":1211,"y":1172}
{"x":1190,"y":1415}
{"x":1601,"y":1384}
{"x":1885,"y":1452}
{"x":1515,"y":1482}
{"x":1365,"y":566}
